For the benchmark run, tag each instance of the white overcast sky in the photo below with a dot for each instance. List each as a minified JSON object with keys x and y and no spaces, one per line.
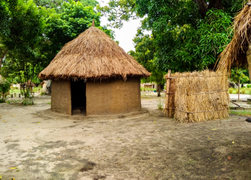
{"x":124,"y":35}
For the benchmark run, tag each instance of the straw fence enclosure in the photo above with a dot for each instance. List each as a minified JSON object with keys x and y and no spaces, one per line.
{"x":197,"y":96}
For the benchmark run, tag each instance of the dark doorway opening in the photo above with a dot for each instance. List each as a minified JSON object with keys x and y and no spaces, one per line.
{"x":78,"y":97}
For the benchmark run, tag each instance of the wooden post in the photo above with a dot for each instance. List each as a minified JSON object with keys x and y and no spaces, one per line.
{"x":168,"y":110}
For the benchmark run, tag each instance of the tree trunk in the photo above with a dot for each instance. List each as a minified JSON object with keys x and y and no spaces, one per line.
{"x":202,"y":5}
{"x":1,"y":60}
{"x":215,"y":4}
{"x":158,"y":89}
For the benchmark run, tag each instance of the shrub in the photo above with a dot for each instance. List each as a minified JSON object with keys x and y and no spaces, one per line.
{"x":242,"y":91}
{"x":231,"y":90}
{"x":27,"y":101}
{"x":4,"y":88}
{"x":160,"y":104}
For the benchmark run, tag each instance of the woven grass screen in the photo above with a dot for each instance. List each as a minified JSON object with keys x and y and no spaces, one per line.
{"x":197,"y":96}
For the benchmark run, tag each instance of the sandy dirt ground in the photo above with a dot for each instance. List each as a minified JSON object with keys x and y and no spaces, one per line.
{"x":36,"y":144}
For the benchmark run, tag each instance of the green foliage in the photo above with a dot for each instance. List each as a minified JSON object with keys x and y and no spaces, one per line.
{"x":231,"y":90}
{"x":238,"y":74}
{"x":186,"y":36}
{"x":242,"y":91}
{"x":21,"y":30}
{"x":35,"y":33}
{"x":4,"y":88}
{"x":144,"y":54}
{"x":188,"y":47}
{"x":117,"y":11}
{"x":25,"y":102}
{"x":56,"y":4}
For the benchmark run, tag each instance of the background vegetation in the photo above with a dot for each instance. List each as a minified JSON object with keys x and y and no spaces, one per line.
{"x":185,"y":35}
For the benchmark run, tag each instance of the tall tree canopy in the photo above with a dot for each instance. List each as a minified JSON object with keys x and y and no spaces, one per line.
{"x":187,"y":34}
{"x":32,"y":32}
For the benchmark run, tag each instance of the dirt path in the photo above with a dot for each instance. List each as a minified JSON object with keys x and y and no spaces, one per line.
{"x":142,"y":146}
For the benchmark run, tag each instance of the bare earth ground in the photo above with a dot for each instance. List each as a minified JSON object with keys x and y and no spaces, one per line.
{"x":36,"y":144}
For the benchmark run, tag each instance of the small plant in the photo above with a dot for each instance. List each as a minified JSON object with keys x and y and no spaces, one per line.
{"x":27,"y":101}
{"x":160,"y":104}
{"x":42,"y":93}
{"x":249,"y":86}
{"x":242,"y":91}
{"x":231,"y":90}
{"x":14,"y":102}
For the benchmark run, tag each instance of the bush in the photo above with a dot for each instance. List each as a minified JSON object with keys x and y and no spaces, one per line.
{"x":25,"y":102}
{"x":242,"y":91}
{"x":249,"y":86}
{"x":231,"y":90}
{"x":4,"y":88}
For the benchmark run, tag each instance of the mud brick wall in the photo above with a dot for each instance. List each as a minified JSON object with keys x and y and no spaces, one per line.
{"x":61,"y":97}
{"x":113,"y":97}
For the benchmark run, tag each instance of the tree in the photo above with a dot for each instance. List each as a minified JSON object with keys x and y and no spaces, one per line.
{"x":118,"y":11}
{"x":239,"y":76}
{"x":4,"y":88}
{"x":62,"y":27}
{"x":34,"y":34}
{"x":57,"y":4}
{"x":188,"y":34}
{"x":145,"y":54}
{"x":21,"y":29}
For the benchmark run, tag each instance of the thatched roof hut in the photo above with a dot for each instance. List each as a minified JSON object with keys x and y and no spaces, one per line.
{"x":92,"y":74}
{"x":237,"y":51}
{"x":93,"y":55}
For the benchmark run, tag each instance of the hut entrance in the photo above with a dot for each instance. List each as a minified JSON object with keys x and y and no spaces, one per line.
{"x":78,"y":97}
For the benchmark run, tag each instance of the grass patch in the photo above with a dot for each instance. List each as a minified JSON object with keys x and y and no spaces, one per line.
{"x":24,"y":102}
{"x":241,"y":113}
{"x":17,"y":91}
{"x":147,"y":89}
{"x":36,"y":89}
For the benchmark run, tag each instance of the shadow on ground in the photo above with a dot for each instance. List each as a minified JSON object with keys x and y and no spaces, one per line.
{"x":139,"y":146}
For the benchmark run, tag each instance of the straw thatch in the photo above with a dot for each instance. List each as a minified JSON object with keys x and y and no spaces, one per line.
{"x":200,"y":96}
{"x":235,"y":53}
{"x":92,"y":55}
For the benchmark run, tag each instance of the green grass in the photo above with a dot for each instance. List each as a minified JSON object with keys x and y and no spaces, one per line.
{"x":14,"y":91}
{"x":241,"y":113}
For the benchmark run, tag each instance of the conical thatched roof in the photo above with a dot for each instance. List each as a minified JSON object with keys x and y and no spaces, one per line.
{"x":235,"y":53}
{"x":92,"y":55}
